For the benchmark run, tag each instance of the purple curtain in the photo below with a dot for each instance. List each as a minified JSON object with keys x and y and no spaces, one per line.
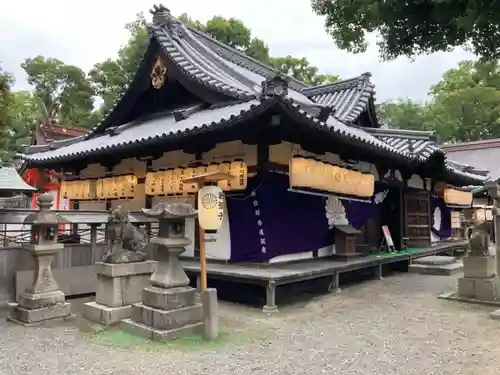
{"x":358,"y":213}
{"x":443,"y":229}
{"x":272,"y":221}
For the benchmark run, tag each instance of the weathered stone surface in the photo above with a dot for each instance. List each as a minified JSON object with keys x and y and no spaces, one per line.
{"x":479,"y":266}
{"x":105,"y":315}
{"x":127,"y":243}
{"x":169,"y":273}
{"x":25,"y":316}
{"x":166,"y":319}
{"x":39,"y":300}
{"x":210,"y":314}
{"x":121,"y":290}
{"x":142,"y":330}
{"x":444,"y":270}
{"x":495,"y":315}
{"x":435,"y":260}
{"x":125,"y":269}
{"x":168,"y":299}
{"x":480,"y":289}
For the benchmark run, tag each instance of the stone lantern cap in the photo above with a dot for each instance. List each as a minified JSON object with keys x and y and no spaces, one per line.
{"x":173,"y":210}
{"x":44,"y":216}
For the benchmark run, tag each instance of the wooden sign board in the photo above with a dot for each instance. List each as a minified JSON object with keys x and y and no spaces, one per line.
{"x":388,"y":238}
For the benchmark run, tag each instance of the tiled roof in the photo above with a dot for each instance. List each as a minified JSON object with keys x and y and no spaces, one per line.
{"x":482,"y":155}
{"x":201,"y":120}
{"x":422,"y":145}
{"x":418,"y":143}
{"x":349,"y":98}
{"x":220,"y":69}
{"x":11,"y":181}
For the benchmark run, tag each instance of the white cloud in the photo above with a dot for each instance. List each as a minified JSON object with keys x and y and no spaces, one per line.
{"x":83,"y":33}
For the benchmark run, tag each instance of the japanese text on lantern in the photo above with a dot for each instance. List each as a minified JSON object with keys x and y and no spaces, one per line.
{"x":171,"y":181}
{"x":316,"y":175}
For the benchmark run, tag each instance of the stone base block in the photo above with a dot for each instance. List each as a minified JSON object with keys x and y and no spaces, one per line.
{"x":24,"y":316}
{"x":479,"y":267}
{"x":210,"y":314}
{"x":166,"y":319}
{"x":154,"y":334}
{"x":495,"y":315}
{"x":105,"y":315}
{"x":122,"y":284}
{"x":168,"y":299}
{"x":33,"y":301}
{"x":437,"y":269}
{"x":480,"y":289}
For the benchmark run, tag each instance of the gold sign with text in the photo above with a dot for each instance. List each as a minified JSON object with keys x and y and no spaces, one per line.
{"x":171,"y":181}
{"x":79,"y":189}
{"x":103,"y":188}
{"x":457,"y":197}
{"x":313,"y":174}
{"x":115,"y":187}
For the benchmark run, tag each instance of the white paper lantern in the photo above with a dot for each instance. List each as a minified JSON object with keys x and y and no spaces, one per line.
{"x":210,"y":207}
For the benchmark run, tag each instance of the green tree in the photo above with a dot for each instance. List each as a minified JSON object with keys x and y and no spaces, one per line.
{"x":62,"y":89}
{"x":6,"y":82}
{"x":25,"y":112}
{"x":110,"y":76}
{"x":466,"y":102}
{"x":405,"y":114}
{"x":413,"y":27}
{"x":300,"y":69}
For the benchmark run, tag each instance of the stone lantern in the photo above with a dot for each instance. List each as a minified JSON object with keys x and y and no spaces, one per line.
{"x":43,"y":300}
{"x":169,"y":308}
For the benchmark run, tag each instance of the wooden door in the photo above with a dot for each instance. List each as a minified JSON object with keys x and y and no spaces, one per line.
{"x":417,"y":218}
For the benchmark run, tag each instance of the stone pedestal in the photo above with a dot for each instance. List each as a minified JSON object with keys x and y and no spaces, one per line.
{"x":43,"y":300}
{"x":436,"y":265}
{"x":168,"y":309}
{"x":480,"y":279}
{"x":118,"y":287}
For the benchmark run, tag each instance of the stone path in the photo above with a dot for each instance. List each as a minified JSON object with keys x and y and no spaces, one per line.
{"x":393,"y":326}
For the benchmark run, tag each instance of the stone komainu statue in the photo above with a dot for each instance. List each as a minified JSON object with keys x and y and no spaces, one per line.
{"x":480,"y":238}
{"x":126,"y":243}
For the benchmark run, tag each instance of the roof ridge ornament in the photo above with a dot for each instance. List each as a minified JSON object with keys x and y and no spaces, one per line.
{"x":163,"y":18}
{"x":276,"y":85}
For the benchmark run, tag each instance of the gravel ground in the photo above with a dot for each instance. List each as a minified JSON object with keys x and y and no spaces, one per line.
{"x":393,"y":326}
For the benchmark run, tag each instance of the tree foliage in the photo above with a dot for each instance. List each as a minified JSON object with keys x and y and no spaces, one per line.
{"x":463,"y":106}
{"x":6,"y":82}
{"x":62,"y":89}
{"x":110,"y":76}
{"x":413,"y":27}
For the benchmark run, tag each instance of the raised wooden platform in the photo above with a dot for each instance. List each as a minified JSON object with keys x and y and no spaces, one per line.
{"x":271,"y":275}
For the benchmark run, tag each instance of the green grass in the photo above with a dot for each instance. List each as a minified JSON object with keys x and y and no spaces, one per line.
{"x":407,"y":251}
{"x":118,"y":338}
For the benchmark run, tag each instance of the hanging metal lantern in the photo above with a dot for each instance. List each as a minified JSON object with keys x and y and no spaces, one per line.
{"x":210,"y":208}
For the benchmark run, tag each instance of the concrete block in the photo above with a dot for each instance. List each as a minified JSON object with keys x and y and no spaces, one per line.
{"x":465,"y":288}
{"x":437,"y":269}
{"x":120,"y":290}
{"x":105,"y":315}
{"x":168,"y":299}
{"x":142,"y":330}
{"x":479,"y":267}
{"x":210,"y":314}
{"x":25,"y":316}
{"x":125,"y":269}
{"x":166,"y":319}
{"x":486,"y":289}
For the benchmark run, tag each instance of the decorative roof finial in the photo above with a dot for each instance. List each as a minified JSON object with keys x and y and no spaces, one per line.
{"x":161,"y":15}
{"x":275,"y":86}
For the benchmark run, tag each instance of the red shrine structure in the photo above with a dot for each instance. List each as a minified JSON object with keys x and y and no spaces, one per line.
{"x":48,"y":180}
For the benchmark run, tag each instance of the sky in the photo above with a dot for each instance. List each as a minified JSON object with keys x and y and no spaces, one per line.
{"x":83,"y":33}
